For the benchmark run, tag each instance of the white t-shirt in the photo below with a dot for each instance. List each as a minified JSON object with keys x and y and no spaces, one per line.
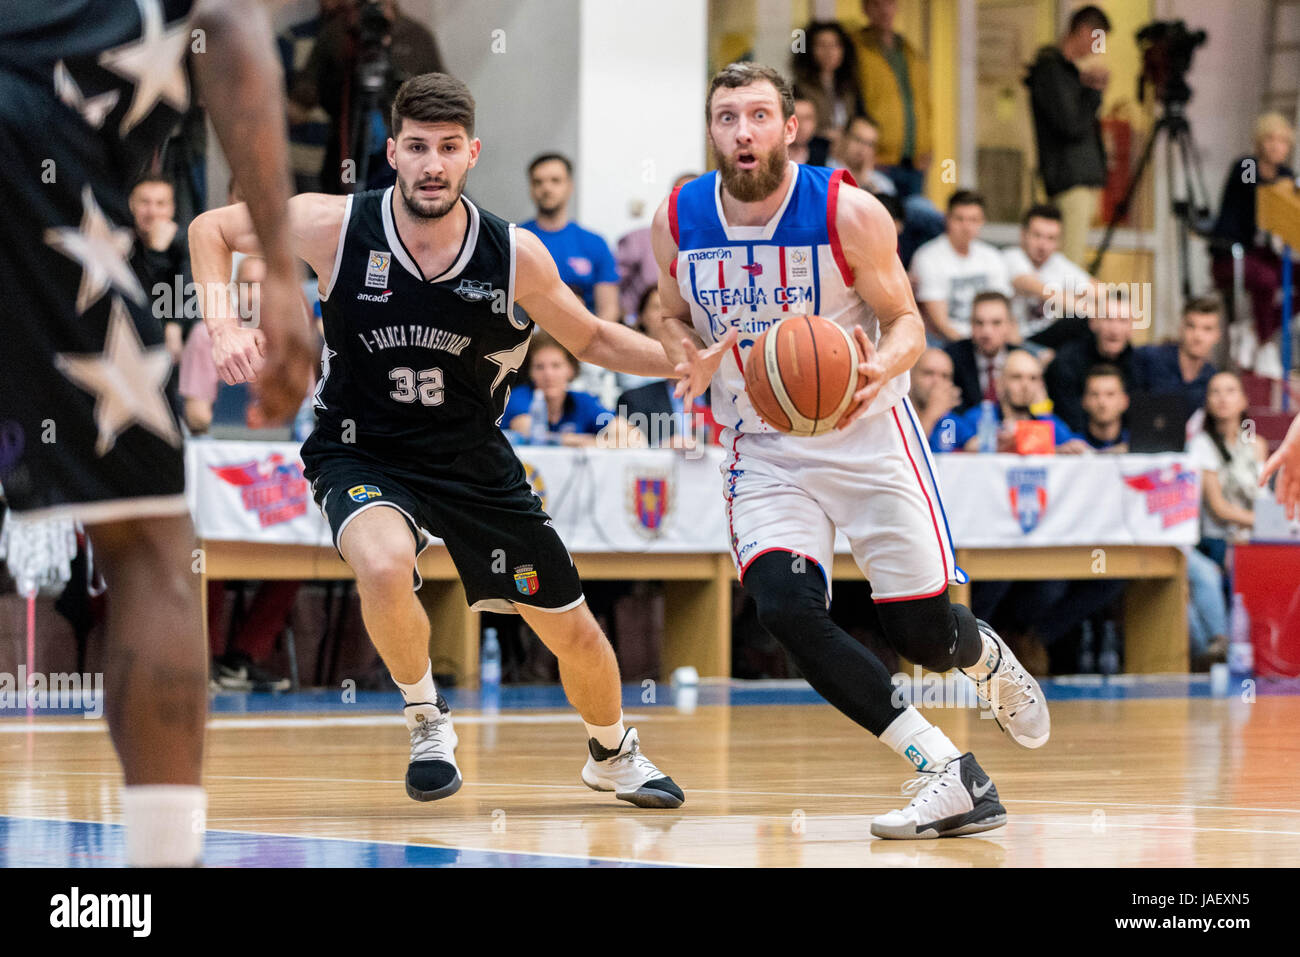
{"x":1237,"y":478}
{"x":939,"y":274}
{"x":1057,"y":273}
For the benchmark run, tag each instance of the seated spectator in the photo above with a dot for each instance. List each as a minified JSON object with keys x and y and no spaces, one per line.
{"x":825,"y":71}
{"x":1261,"y":265}
{"x":575,"y":418}
{"x":949,"y":270}
{"x":809,"y":145}
{"x":857,"y":153}
{"x":1230,"y":458}
{"x":161,"y":254}
{"x":1020,"y":394}
{"x":1182,"y":367}
{"x":977,"y":361}
{"x":1109,"y":342}
{"x":1207,"y":612}
{"x":934,"y":396}
{"x":638,"y":270}
{"x":1046,"y":283}
{"x":1105,"y":400}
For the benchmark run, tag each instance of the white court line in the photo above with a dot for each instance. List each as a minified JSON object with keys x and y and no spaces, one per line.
{"x":363,"y":840}
{"x":85,"y":725}
{"x":1166,"y":827}
{"x":729,"y":793}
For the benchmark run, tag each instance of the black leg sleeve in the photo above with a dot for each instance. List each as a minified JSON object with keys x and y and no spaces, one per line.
{"x":932,"y":632}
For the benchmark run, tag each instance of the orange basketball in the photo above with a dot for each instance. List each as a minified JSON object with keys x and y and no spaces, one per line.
{"x":801,"y":374}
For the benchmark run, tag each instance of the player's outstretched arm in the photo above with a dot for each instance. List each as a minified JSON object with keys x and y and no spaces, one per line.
{"x":1286,"y":463}
{"x":312,"y":232}
{"x":239,"y":75}
{"x":554,"y":307}
{"x":870,"y":241}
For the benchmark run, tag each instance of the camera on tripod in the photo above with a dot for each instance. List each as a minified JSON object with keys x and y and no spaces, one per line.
{"x":1167,"y":47}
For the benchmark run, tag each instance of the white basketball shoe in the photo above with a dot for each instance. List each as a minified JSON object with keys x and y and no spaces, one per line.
{"x":432,"y":773}
{"x":629,"y":774}
{"x":1014,"y":696}
{"x":957,"y":799}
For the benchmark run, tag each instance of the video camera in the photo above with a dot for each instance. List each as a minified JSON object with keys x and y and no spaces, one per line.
{"x":1167,"y":47}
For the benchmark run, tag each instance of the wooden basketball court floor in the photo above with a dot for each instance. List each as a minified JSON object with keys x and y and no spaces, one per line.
{"x":1146,"y":774}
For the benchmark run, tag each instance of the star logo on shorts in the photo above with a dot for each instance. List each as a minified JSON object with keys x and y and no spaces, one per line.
{"x":128,"y":382}
{"x":102,"y":250}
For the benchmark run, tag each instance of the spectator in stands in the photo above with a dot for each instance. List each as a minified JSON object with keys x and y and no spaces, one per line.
{"x":978,"y":361}
{"x":1105,"y":400}
{"x":161,"y":255}
{"x":1064,"y":101}
{"x":949,"y":270}
{"x":809,"y":146}
{"x":1045,"y":281}
{"x":575,"y":418}
{"x":1182,"y":367}
{"x":934,"y":396}
{"x":328,"y":80}
{"x":635,"y":259}
{"x":825,"y":71}
{"x":1109,"y":342}
{"x":895,"y":82}
{"x":922,"y":221}
{"x":1207,"y":611}
{"x":1230,"y":457}
{"x":309,"y":127}
{"x":1020,"y":392}
{"x":1261,"y":264}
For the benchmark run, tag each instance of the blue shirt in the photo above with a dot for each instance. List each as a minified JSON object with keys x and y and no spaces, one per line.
{"x":582,"y":257}
{"x":582,"y":413}
{"x":1156,"y":372}
{"x":960,"y":429}
{"x":1101,"y":446}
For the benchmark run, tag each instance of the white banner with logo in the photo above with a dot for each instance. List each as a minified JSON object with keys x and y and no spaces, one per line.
{"x":610,"y":500}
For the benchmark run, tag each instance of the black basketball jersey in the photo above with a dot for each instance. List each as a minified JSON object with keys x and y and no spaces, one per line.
{"x":418,"y":365}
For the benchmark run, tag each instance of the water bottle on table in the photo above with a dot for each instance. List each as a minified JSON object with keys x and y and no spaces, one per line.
{"x":1241,"y":653}
{"x":987,"y":430}
{"x":538,"y":429}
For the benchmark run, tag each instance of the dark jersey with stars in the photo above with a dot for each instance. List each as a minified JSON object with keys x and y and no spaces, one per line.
{"x":418,"y":366}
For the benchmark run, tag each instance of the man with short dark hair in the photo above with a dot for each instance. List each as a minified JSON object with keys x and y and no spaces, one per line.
{"x":809,"y":145}
{"x":949,"y":270}
{"x":977,"y":361}
{"x":1064,"y":101}
{"x":423,"y":343}
{"x":160,"y":256}
{"x":1105,"y":400}
{"x":1046,"y":282}
{"x":586,"y":265}
{"x":935,"y":396}
{"x":1183,"y":367}
{"x":1109,"y":341}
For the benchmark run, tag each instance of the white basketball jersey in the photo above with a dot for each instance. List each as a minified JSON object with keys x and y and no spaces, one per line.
{"x":748,"y":277}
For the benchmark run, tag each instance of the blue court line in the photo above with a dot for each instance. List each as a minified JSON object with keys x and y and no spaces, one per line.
{"x":42,"y":842}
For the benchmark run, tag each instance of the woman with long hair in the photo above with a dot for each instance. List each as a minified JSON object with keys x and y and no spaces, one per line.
{"x":825,"y":69}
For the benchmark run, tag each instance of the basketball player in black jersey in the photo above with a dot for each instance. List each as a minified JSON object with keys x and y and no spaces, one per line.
{"x":89,"y":89}
{"x":418,"y":288}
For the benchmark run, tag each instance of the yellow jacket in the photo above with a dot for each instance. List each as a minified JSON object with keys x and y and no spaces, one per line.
{"x":884,"y":101}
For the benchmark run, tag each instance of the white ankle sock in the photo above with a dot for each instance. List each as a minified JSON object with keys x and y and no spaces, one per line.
{"x":608,"y":737}
{"x":164,"y":824}
{"x":988,"y":659}
{"x":423,"y":691}
{"x":912,"y":737}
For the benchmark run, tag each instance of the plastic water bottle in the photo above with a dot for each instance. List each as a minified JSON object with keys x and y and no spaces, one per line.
{"x":539,"y":430}
{"x":489,"y":669}
{"x":1087,"y":648}
{"x":1108,"y":658}
{"x":1241,"y":653}
{"x":987,"y":430}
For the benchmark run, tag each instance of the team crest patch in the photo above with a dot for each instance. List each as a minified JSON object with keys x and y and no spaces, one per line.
{"x":649,"y":501}
{"x":526,"y":582}
{"x":363,"y":493}
{"x":377,"y":268}
{"x":473,"y":290}
{"x":1028,"y":489}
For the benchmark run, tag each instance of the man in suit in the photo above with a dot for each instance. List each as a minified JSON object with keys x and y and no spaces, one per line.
{"x":977,"y":362}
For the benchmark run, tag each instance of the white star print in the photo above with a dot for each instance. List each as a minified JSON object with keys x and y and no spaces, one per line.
{"x":102,"y":249}
{"x":127,"y":381}
{"x":155,"y":64}
{"x":92,"y":110}
{"x":509,"y":361}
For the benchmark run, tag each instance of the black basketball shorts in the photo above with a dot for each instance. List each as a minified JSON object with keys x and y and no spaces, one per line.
{"x":478,"y":502}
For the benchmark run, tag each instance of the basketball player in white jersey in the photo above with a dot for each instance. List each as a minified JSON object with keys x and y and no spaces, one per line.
{"x":738,"y":249}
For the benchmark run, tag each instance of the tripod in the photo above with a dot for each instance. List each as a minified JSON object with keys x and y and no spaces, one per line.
{"x":1190,"y":206}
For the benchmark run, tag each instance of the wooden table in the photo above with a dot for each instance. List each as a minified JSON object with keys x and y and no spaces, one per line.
{"x":698,"y":589}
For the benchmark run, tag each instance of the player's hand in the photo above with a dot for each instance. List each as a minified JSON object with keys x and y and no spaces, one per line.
{"x":237,"y":351}
{"x":290,"y":349}
{"x":695,"y":374}
{"x":1074,"y":447}
{"x":871,"y":377}
{"x":1285,"y":462}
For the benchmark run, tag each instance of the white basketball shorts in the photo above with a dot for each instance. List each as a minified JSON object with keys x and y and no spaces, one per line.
{"x":875,"y":482}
